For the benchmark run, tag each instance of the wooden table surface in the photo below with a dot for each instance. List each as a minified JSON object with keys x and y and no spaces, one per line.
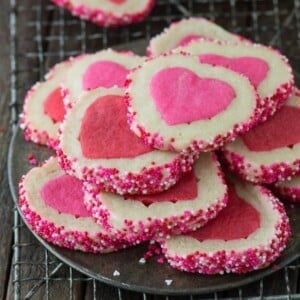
{"x":5,"y":198}
{"x":44,"y":37}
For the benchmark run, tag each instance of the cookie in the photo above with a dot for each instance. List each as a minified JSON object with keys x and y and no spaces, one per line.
{"x":269,"y":152}
{"x":289,"y":189}
{"x":43,"y":109}
{"x":108,"y":12}
{"x":52,"y":205}
{"x":106,"y":68}
{"x":184,"y":31}
{"x":266,"y":68}
{"x":96,"y":145}
{"x":249,"y":234}
{"x":184,"y":207}
{"x":175,"y":103}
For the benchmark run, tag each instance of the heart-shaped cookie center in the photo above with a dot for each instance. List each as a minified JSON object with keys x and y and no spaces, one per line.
{"x":65,"y":195}
{"x":281,"y":130}
{"x":54,"y":106}
{"x":236,"y":221}
{"x":181,"y":96}
{"x":185,"y":189}
{"x":254,"y":68}
{"x":105,"y":133}
{"x":104,"y":74}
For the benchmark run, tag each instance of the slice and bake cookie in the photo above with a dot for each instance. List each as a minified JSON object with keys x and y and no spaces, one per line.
{"x":176,"y":103}
{"x":289,"y":189}
{"x":249,"y":234}
{"x":106,"y":68}
{"x":43,"y":109}
{"x":108,"y":12}
{"x":193,"y":201}
{"x":52,"y":204}
{"x":268,"y":71}
{"x":182,"y":32}
{"x":269,"y":152}
{"x":96,"y":145}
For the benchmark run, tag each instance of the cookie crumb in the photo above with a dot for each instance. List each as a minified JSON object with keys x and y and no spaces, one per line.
{"x":142,"y":261}
{"x":168,"y":282}
{"x":32,"y":159}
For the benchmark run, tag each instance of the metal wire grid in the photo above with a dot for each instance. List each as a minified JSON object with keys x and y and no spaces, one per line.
{"x":272,"y":22}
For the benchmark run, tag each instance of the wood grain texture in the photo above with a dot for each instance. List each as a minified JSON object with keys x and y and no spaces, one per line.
{"x":5,"y":198}
{"x":31,"y":65}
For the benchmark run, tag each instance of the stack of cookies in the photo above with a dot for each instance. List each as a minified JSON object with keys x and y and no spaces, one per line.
{"x":181,"y":147}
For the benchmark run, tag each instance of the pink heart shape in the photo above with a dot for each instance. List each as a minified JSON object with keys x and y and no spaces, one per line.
{"x":181,"y":96}
{"x":105,"y":133}
{"x":65,"y":195}
{"x":236,"y":221}
{"x":185,"y":189}
{"x":254,"y":68}
{"x":54,"y":106}
{"x":104,"y":74}
{"x":281,"y":130}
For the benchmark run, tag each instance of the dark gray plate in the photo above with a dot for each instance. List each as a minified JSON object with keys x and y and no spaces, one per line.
{"x":148,"y":278}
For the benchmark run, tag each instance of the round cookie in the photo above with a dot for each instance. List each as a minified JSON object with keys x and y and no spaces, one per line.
{"x":106,"y":68}
{"x":184,"y":31}
{"x":289,"y":189}
{"x":175,"y":103}
{"x":249,"y":234}
{"x":96,"y":145}
{"x":186,"y":206}
{"x":43,"y":109}
{"x":52,"y":205}
{"x":108,"y":12}
{"x":269,"y":152}
{"x":266,"y":68}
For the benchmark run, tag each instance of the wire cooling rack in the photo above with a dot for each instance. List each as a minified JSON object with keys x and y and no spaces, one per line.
{"x":42,"y":34}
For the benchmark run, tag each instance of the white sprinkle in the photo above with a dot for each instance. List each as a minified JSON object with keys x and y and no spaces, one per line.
{"x":142,"y":261}
{"x":168,"y":281}
{"x":116,"y":273}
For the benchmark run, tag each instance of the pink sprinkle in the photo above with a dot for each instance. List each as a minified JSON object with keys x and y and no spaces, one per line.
{"x":32,"y":159}
{"x":161,"y":260}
